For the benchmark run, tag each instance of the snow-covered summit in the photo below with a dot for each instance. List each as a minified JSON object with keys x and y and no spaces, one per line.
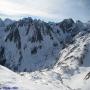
{"x":8,"y":21}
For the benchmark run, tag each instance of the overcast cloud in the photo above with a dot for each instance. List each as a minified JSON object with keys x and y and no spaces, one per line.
{"x":54,"y":10}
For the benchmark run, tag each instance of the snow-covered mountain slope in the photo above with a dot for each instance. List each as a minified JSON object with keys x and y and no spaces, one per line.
{"x":31,"y":45}
{"x":76,"y":54}
{"x":57,"y":54}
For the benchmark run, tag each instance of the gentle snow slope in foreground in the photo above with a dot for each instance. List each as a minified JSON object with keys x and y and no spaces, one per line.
{"x":45,"y":80}
{"x":9,"y":79}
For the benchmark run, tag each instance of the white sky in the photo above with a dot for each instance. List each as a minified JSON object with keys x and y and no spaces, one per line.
{"x":54,"y":10}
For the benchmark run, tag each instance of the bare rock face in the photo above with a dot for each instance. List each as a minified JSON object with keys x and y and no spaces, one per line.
{"x":66,"y":25}
{"x":87,"y":76}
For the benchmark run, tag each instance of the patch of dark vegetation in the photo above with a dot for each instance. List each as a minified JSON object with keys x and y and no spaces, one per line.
{"x":15,"y":37}
{"x":20,"y":58}
{"x":15,"y":68}
{"x":2,"y":56}
{"x":55,"y":44}
{"x":49,"y":31}
{"x":25,"y":46}
{"x":40,"y":46}
{"x":10,"y":27}
{"x":37,"y":36}
{"x":34,"y":50}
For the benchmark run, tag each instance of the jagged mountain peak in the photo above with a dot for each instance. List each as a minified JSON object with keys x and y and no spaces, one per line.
{"x":8,"y":21}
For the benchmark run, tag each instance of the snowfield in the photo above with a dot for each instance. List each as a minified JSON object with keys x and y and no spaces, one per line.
{"x":44,"y":80}
{"x":11,"y":80}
